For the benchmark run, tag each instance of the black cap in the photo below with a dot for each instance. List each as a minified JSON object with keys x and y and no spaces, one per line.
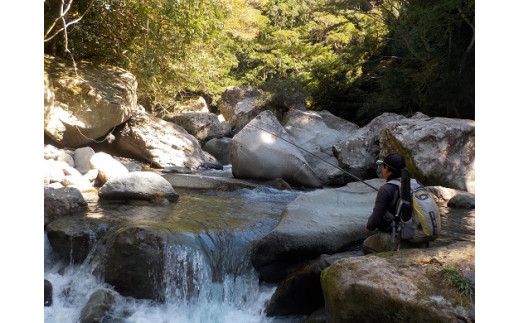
{"x":394,"y":160}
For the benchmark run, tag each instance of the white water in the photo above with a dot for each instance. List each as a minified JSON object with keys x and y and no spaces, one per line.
{"x":194,"y":293}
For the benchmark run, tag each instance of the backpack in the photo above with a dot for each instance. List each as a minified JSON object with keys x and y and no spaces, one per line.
{"x":417,"y":213}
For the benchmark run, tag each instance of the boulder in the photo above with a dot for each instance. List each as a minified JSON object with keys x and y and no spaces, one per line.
{"x":412,"y":285}
{"x":359,"y":152}
{"x":219,"y":183}
{"x":62,"y":201}
{"x":107,"y":166}
{"x":88,"y":101}
{"x":82,"y":159}
{"x":99,"y":303}
{"x":300,"y":293}
{"x":320,"y":222}
{"x":197,"y":104}
{"x":438,"y":151}
{"x":219,"y":148}
{"x":73,"y":237}
{"x":257,"y":154}
{"x":135,"y":263}
{"x":465,"y":201}
{"x":239,"y":105}
{"x":161,"y":143}
{"x":337,"y":123}
{"x":147,"y":186}
{"x":203,"y":126}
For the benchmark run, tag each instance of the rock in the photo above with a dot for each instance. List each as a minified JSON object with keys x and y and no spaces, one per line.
{"x":135,"y":263}
{"x":320,"y":222}
{"x":203,"y":126}
{"x":65,"y":157}
{"x":256,"y":154}
{"x":161,"y":143}
{"x":323,"y":166}
{"x":73,"y":237}
{"x":82,"y":159}
{"x":240,"y":105}
{"x":279,"y":184}
{"x":359,"y":152}
{"x":107,"y":166}
{"x":198,"y":105}
{"x":99,"y":303}
{"x":51,"y":152}
{"x":466,"y":201}
{"x":62,"y":201}
{"x":86,"y":105}
{"x":219,"y":148}
{"x":53,"y":171}
{"x":133,"y":167}
{"x":337,"y":123}
{"x":47,"y":293}
{"x":205,"y":182}
{"x":226,"y":127}
{"x":147,"y":186}
{"x":438,"y":151}
{"x":300,"y":293}
{"x":406,"y":286}
{"x":311,"y":132}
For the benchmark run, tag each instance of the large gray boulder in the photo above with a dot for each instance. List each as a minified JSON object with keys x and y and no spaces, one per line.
{"x":359,"y":152}
{"x":257,"y":154}
{"x":317,"y":139}
{"x":413,"y":285}
{"x":86,"y":103}
{"x":82,"y":159}
{"x":438,"y":151}
{"x":203,"y":126}
{"x":161,"y":143}
{"x":320,"y":222}
{"x":147,"y":186}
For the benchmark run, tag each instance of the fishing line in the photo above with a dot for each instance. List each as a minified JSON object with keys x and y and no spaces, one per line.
{"x":341,"y":169}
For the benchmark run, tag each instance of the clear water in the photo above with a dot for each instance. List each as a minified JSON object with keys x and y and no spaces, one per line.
{"x":214,"y":282}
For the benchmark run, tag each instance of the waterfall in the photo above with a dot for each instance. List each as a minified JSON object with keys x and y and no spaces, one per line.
{"x":209,"y":279}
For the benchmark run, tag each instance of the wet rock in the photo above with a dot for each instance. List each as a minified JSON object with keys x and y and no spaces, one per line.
{"x":135,"y":263}
{"x":88,"y":101}
{"x":62,"y":201}
{"x":73,"y":237}
{"x":256,"y":154}
{"x":97,"y":306}
{"x":47,"y":293}
{"x":193,"y":181}
{"x":438,"y":151}
{"x":147,"y":186}
{"x":320,"y":222}
{"x":406,"y":286}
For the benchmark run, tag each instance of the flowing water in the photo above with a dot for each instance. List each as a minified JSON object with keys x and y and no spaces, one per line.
{"x":209,"y":280}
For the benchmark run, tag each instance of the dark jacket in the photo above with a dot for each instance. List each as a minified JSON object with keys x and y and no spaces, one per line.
{"x":384,"y":199}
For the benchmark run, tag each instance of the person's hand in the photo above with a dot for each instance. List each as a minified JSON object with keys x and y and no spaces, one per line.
{"x":367,"y":231}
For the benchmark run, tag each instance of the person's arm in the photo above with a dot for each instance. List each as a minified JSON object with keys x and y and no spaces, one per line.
{"x":376,"y":218}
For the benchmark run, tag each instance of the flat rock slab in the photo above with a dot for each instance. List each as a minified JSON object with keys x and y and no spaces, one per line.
{"x":194,"y":181}
{"x":320,"y":222}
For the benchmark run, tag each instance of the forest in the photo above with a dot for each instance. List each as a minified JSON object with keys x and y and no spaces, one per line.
{"x":354,"y":58}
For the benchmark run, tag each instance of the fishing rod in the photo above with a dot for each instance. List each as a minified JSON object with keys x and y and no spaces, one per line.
{"x":341,"y":169}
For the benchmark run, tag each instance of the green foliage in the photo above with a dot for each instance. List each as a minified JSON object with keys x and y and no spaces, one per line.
{"x":465,"y":286}
{"x":355,"y":58}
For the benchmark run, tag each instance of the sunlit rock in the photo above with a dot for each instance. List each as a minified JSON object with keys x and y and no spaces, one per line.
{"x":258,"y":154}
{"x":86,"y":102}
